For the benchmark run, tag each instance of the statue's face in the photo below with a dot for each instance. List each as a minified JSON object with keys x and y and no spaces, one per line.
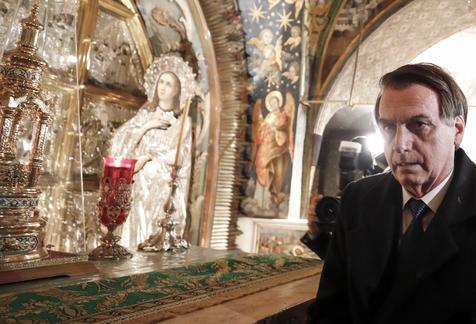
{"x":168,"y":86}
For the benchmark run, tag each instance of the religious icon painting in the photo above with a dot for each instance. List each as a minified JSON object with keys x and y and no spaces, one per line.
{"x":169,"y":26}
{"x":273,"y":33}
{"x":280,"y":236}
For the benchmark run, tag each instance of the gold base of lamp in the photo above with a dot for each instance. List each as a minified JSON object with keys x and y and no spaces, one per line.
{"x":109,"y":249}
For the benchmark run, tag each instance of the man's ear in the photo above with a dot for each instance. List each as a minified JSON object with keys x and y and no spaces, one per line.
{"x":459,"y":130}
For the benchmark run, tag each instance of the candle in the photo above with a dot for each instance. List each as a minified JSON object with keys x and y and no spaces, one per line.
{"x":115,"y":190}
{"x":178,"y":158}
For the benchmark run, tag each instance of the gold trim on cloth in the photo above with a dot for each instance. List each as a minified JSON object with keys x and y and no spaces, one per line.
{"x":155,"y":295}
{"x":54,"y":258}
{"x":153,"y":313}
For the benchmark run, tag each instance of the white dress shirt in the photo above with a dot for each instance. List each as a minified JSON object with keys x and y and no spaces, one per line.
{"x":432,"y":199}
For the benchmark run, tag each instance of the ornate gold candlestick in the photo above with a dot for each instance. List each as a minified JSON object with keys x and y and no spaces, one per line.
{"x":22,"y":229}
{"x":167,"y":238}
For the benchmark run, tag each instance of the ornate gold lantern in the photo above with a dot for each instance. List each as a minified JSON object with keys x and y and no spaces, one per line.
{"x":22,"y":110}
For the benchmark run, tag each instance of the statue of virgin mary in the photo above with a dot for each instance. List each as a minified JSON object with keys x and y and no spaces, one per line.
{"x":151,"y":138}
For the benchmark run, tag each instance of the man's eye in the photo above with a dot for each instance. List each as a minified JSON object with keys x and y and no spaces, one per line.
{"x":387,"y":128}
{"x":417,"y":125}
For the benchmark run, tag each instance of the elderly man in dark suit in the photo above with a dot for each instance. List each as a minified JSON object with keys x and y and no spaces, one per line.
{"x":404,"y":247}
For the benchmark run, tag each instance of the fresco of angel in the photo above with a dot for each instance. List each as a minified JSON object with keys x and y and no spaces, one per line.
{"x":292,"y":74}
{"x":295,"y":39}
{"x":266,"y":56}
{"x":272,"y":146}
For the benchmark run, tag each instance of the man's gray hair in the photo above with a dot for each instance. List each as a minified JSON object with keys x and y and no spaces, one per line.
{"x":452,"y":100}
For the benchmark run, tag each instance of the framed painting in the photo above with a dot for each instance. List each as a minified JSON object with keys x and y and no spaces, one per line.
{"x":280,"y":236}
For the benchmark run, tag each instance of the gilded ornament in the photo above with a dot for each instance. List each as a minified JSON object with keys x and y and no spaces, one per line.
{"x":22,"y":107}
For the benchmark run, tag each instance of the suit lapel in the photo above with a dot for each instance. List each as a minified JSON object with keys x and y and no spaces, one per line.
{"x":436,"y":247}
{"x":372,"y":241}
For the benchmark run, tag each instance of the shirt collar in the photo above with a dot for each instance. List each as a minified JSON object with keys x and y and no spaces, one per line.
{"x":433,"y":198}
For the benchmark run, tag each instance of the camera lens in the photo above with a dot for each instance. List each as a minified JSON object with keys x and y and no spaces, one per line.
{"x":326,"y":209}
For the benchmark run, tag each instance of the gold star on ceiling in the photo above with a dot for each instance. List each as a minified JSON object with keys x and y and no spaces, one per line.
{"x":285,"y":20}
{"x":256,"y":13}
{"x":271,"y":80}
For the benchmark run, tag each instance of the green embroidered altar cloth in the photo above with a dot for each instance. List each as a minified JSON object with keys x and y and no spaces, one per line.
{"x":160,"y":294}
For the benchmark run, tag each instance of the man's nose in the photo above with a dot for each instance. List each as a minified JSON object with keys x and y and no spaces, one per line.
{"x":403,"y":139}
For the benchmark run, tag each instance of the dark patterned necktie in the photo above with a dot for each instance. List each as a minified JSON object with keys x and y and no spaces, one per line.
{"x":415,"y":231}
{"x":417,"y":207}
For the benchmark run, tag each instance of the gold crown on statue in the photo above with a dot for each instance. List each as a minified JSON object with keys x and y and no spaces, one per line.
{"x":176,"y":65}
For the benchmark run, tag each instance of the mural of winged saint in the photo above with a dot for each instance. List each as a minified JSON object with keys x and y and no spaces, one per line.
{"x":272,"y":147}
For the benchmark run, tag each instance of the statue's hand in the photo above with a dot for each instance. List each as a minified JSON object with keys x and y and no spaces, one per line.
{"x":152,"y":124}
{"x":141,"y":161}
{"x":155,"y":123}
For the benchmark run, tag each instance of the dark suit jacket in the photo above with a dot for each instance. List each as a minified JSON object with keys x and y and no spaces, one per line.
{"x":318,"y":244}
{"x":363,"y":280}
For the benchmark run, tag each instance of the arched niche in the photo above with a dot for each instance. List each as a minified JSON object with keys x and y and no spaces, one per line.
{"x":98,"y":51}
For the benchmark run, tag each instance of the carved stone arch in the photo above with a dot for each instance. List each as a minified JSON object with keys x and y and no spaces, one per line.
{"x":342,"y":44}
{"x":396,"y":41}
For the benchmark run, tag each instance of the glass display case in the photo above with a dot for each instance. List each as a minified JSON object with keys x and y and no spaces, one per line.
{"x":91,"y":86}
{"x":97,"y":53}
